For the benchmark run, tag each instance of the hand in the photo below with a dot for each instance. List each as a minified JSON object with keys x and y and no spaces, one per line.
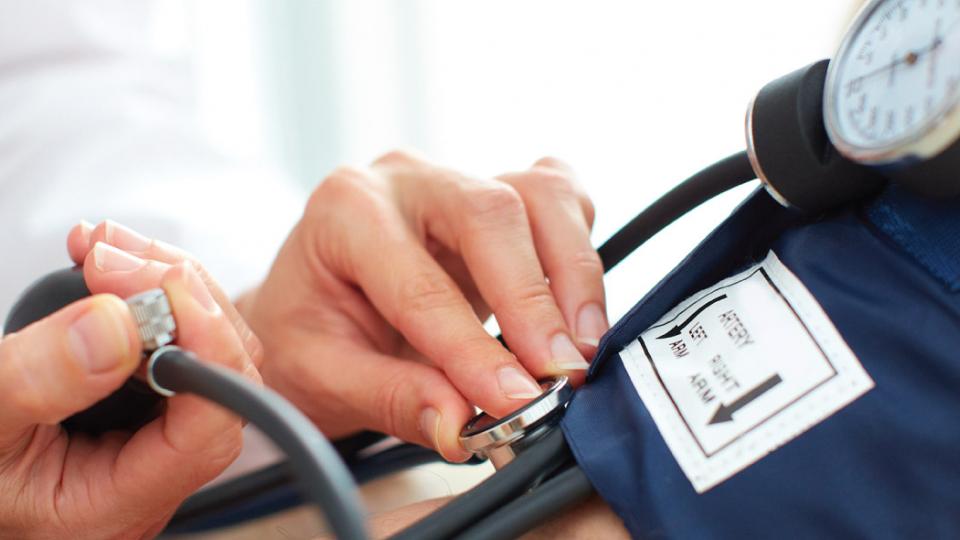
{"x":371,"y":316}
{"x":120,"y":485}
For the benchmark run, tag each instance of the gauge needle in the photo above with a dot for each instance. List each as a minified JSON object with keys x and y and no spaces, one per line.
{"x":912,"y":57}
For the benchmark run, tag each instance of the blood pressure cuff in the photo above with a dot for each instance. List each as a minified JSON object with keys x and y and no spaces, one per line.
{"x":789,"y":379}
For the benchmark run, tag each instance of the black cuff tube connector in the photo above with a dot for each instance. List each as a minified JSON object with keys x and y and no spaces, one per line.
{"x":790,"y":149}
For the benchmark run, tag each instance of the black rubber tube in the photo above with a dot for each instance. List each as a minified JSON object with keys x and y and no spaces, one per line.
{"x":689,"y":194}
{"x":217,"y":506}
{"x":718,"y":178}
{"x":210,"y":501}
{"x":219,"y":498}
{"x":722,"y":176}
{"x":323,"y":476}
{"x":556,"y":495}
{"x":514,"y":479}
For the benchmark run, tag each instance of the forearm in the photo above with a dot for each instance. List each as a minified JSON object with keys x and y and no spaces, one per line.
{"x":592,"y":519}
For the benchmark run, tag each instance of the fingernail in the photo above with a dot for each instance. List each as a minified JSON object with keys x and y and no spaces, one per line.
{"x":565,"y":354}
{"x":124,"y":237}
{"x":199,"y":291}
{"x":85,"y":228}
{"x":99,"y":338}
{"x":516,"y":384}
{"x":430,"y":426}
{"x":591,"y":324}
{"x":110,"y":259}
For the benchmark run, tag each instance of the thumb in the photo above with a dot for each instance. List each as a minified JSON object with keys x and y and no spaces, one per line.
{"x":65,"y":363}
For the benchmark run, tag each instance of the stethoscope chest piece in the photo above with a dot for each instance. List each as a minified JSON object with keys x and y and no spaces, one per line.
{"x":504,"y":439}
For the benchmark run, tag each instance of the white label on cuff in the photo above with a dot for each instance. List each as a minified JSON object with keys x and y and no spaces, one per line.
{"x":739,"y":370}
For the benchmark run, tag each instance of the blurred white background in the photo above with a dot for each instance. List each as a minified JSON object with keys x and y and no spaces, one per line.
{"x":635,"y":95}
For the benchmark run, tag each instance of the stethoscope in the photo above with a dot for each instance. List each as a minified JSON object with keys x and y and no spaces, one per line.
{"x":818,"y":138}
{"x":536,"y":477}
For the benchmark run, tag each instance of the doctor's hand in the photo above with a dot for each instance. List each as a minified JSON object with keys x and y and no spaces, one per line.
{"x":119,"y":485}
{"x":371,"y":316}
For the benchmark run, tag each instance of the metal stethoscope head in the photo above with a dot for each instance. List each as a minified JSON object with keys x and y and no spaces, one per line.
{"x":501,"y":440}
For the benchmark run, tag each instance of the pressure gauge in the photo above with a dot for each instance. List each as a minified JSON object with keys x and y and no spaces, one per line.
{"x":893,"y":89}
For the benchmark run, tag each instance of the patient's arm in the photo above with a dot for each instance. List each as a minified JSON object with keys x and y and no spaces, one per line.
{"x":590,"y":520}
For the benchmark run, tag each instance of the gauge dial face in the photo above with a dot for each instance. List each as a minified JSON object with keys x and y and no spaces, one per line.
{"x":895,"y":79}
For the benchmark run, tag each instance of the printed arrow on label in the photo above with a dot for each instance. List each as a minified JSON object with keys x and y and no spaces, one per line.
{"x":675,"y":331}
{"x":725,"y":412}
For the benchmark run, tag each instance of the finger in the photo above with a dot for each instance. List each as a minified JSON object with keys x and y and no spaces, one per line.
{"x":194,"y":440}
{"x":113,"y":270}
{"x":413,"y":293}
{"x":562,"y":167}
{"x":65,"y":363}
{"x":454,"y":266}
{"x":131,"y":241}
{"x":409,"y":400}
{"x":203,"y":329}
{"x":486,"y":222}
{"x":109,"y":269}
{"x":78,"y":241}
{"x":127,"y":239}
{"x":561,"y":234}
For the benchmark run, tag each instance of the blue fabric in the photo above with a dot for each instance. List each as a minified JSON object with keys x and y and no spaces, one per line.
{"x":886,"y":466}
{"x":926,"y":229}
